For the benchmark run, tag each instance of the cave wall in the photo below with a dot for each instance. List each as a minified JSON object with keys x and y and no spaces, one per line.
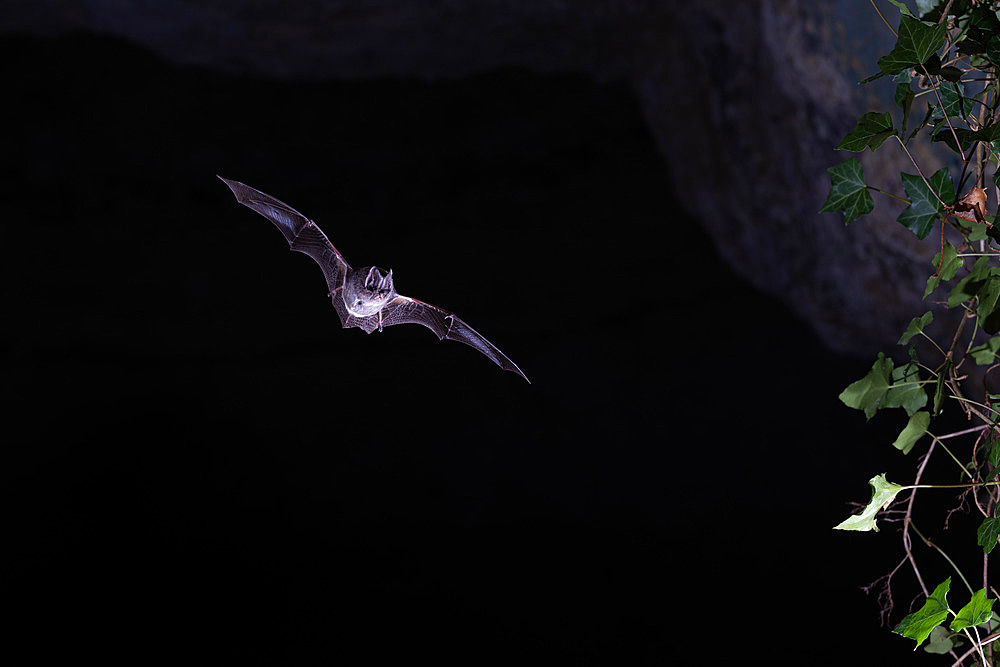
{"x":745,"y":101}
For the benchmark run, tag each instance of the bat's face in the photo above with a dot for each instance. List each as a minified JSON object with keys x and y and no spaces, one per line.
{"x":367,"y":290}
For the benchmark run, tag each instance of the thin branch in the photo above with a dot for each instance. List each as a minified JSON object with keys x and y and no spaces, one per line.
{"x":920,"y":172}
{"x":891,"y":29}
{"x":945,"y":556}
{"x":965,"y":432}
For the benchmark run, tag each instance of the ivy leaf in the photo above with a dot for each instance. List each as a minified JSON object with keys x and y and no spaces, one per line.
{"x":848,"y":192}
{"x":989,"y":133}
{"x":981,"y":232}
{"x":916,"y":42}
{"x":949,"y":267}
{"x":920,"y":623}
{"x":921,"y":124}
{"x":987,"y":534}
{"x":986,"y":310}
{"x":872,"y":129}
{"x":985,"y":354}
{"x":972,"y":207}
{"x":917,"y":325}
{"x":883,"y":493}
{"x":939,"y":395}
{"x":969,"y":286}
{"x":941,"y":641}
{"x":924,"y":206}
{"x":993,"y":48}
{"x":904,"y":98}
{"x":913,"y":431}
{"x":947,"y":72}
{"x":910,"y":395}
{"x":965,"y":138}
{"x":953,"y":101}
{"x":994,"y":459}
{"x":979,"y":610}
{"x":925,"y":6}
{"x":903,"y":9}
{"x":868,"y":393}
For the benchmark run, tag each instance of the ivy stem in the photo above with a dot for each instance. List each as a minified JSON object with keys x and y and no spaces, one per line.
{"x":947,"y":119}
{"x":988,"y":640}
{"x":965,"y":432}
{"x":953,"y":458}
{"x":950,"y":486}
{"x":934,"y":342}
{"x":889,"y":194}
{"x":943,"y":555}
{"x":976,"y":403}
{"x":887,"y":24}
{"x":921,"y":172}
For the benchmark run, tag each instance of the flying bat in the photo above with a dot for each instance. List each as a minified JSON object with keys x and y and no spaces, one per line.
{"x":365,"y":298}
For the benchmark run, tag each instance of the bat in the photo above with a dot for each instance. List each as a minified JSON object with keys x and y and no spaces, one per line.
{"x":365,"y":298}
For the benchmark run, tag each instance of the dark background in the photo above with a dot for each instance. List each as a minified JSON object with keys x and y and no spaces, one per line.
{"x":201,"y":465}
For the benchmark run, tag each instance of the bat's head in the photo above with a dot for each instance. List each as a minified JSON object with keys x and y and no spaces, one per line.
{"x":367,"y":289}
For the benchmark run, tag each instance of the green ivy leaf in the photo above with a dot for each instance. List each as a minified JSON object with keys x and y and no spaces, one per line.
{"x":913,"y":431}
{"x":848,"y":192}
{"x":916,"y":42}
{"x":922,"y":124}
{"x":965,"y":138}
{"x":939,"y":394}
{"x":969,"y":286}
{"x":925,"y":6}
{"x":919,"y":624}
{"x":917,"y":325}
{"x":904,"y":99}
{"x":989,"y":531}
{"x":993,"y":456}
{"x":953,"y":100}
{"x":925,"y":205}
{"x":948,"y":268}
{"x":987,"y":306}
{"x":903,"y":9}
{"x":941,"y":641}
{"x":871,"y":131}
{"x":992,"y":48}
{"x":977,"y":231}
{"x":868,"y":393}
{"x":904,"y":96}
{"x":979,"y":610}
{"x":906,"y":393}
{"x":883,"y":493}
{"x":986,"y":353}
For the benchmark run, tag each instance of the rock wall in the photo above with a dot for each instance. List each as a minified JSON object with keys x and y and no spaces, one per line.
{"x":745,"y":100}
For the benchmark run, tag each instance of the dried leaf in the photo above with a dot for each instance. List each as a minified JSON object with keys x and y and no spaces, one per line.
{"x":972,"y":207}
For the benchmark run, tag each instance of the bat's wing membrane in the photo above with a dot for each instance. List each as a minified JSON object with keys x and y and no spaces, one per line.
{"x":302,"y":234}
{"x":446,"y":325}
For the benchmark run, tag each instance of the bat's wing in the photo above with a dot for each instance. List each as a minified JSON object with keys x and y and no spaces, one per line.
{"x":303,"y":235}
{"x":404,"y":310}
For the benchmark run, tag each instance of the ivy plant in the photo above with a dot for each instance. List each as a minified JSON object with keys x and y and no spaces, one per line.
{"x":945,"y":69}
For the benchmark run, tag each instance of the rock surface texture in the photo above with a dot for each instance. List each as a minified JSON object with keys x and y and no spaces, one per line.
{"x":745,"y":101}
